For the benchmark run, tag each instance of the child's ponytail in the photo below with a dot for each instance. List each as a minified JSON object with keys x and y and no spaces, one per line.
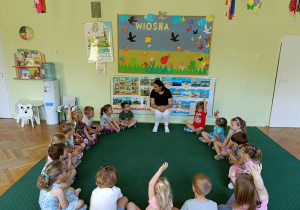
{"x":253,"y":152}
{"x":104,"y":109}
{"x":52,"y":171}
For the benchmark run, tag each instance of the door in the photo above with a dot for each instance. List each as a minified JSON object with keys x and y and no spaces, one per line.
{"x":286,"y":101}
{"x":5,"y":111}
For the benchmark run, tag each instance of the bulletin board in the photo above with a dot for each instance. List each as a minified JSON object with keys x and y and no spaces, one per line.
{"x":186,"y":91}
{"x":160,"y":44}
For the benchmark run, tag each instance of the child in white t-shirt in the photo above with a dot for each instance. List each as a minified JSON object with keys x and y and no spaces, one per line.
{"x":88,"y":119}
{"x":106,"y":195}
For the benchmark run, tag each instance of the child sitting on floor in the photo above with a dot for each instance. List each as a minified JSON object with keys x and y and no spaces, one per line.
{"x":59,"y":152}
{"x":81,"y":134}
{"x":126,"y":117}
{"x":234,"y":146}
{"x":199,"y":118}
{"x":159,"y":192}
{"x":201,"y":187}
{"x":237,"y":124}
{"x":108,"y":120}
{"x":52,"y":194}
{"x":249,"y":192}
{"x":89,"y":121}
{"x":249,"y":155}
{"x":61,"y":138}
{"x":218,"y":134}
{"x":107,"y":196}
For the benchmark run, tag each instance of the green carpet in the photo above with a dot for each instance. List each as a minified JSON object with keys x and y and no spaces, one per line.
{"x":138,"y":153}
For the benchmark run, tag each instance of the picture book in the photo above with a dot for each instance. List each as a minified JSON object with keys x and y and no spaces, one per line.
{"x":36,"y":60}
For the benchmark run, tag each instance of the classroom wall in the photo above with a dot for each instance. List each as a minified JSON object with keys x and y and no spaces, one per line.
{"x":244,"y":85}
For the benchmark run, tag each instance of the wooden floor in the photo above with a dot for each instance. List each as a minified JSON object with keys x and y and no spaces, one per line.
{"x":22,"y":148}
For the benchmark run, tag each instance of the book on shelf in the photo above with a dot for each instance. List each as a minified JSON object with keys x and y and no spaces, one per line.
{"x":20,"y":58}
{"x":37,"y":60}
{"x":24,"y":74}
{"x":28,"y":61}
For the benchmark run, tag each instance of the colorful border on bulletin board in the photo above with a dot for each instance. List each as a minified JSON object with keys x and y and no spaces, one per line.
{"x":159,"y":44}
{"x":186,"y":91}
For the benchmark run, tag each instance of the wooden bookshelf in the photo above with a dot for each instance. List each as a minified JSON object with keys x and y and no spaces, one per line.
{"x":32,"y":70}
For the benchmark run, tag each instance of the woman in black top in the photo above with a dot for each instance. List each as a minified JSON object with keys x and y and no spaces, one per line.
{"x":161,"y":100}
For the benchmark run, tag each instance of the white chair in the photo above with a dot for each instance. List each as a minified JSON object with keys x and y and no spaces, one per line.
{"x":25,"y":113}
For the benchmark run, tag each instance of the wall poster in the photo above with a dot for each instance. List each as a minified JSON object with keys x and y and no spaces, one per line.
{"x":186,"y":91}
{"x":160,"y":44}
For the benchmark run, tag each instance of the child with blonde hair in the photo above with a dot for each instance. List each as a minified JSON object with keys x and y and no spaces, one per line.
{"x":218,"y":134}
{"x":59,"y":152}
{"x":249,"y":193}
{"x":223,"y":149}
{"x":249,"y":155}
{"x":52,"y":194}
{"x":69,"y":129}
{"x":88,"y":119}
{"x":107,"y":196}
{"x":81,"y":134}
{"x":201,"y":187}
{"x":199,"y":118}
{"x":57,"y":138}
{"x":108,"y":120}
{"x":159,"y":193}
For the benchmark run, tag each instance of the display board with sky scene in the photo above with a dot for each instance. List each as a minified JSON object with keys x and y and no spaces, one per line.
{"x":161,"y":44}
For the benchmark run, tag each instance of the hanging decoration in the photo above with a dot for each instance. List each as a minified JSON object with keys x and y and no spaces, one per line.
{"x":294,"y":7}
{"x":254,"y":4}
{"x":40,"y":6}
{"x":229,"y":9}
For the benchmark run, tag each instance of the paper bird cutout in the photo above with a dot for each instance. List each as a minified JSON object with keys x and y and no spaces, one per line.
{"x":189,"y":29}
{"x":131,"y":38}
{"x":126,"y":49}
{"x":191,"y":22}
{"x":206,"y":30}
{"x":124,"y":29}
{"x":174,"y":38}
{"x":197,"y":43}
{"x":200,"y":59}
{"x":192,"y":39}
{"x":207,"y":46}
{"x":201,"y":47}
{"x":183,"y":19}
{"x":195,"y":32}
{"x":132,"y":20}
{"x":200,"y":37}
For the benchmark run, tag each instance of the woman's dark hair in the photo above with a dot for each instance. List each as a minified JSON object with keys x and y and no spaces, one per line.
{"x":160,"y":84}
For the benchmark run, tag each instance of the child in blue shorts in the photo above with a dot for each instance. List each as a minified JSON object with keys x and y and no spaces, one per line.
{"x":218,"y":134}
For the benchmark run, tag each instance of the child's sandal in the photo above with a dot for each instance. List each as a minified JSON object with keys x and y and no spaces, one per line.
{"x":202,"y":139}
